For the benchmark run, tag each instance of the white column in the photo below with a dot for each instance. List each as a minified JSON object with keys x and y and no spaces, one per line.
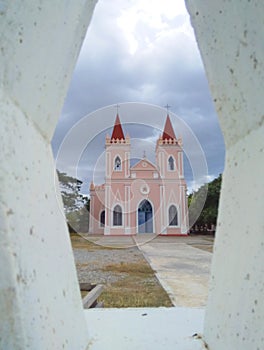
{"x":107,"y":210}
{"x":161,"y":163}
{"x":162,"y":211}
{"x":181,"y":167}
{"x":127,"y":210}
{"x":230,"y":37}
{"x":91,"y":219}
{"x":127,"y":164}
{"x":183,"y":211}
{"x":40,"y":304}
{"x":108,"y":165}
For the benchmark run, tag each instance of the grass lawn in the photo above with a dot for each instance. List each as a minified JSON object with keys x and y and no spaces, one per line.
{"x":137,"y":286}
{"x":140,"y":288}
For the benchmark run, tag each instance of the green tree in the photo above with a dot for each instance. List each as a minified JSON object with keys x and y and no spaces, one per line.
{"x":76,"y":205}
{"x":209,"y":193}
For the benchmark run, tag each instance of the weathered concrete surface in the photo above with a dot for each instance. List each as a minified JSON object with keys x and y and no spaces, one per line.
{"x":230,"y":37}
{"x":182,"y":270}
{"x":145,"y":328}
{"x":40,"y":304}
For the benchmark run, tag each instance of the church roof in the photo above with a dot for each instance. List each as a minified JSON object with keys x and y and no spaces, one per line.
{"x":117,"y":131}
{"x":168,"y":132}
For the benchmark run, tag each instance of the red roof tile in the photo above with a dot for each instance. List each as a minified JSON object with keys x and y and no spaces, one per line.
{"x":168,"y":132}
{"x":117,"y":131}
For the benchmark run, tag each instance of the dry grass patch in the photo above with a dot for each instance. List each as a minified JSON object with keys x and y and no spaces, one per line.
{"x":135,"y":283}
{"x":78,"y":242}
{"x":140,"y":288}
{"x":139,"y":268}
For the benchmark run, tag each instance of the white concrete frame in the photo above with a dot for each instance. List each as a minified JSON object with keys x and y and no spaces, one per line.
{"x":232,"y":54}
{"x":35,"y":248}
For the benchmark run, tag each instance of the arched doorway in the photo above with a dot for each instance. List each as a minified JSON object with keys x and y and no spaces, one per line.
{"x":145,"y":217}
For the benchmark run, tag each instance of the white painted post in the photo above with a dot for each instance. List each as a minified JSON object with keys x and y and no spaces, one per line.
{"x":40,"y":304}
{"x":230,"y":37}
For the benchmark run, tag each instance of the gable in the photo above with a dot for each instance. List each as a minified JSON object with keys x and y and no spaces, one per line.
{"x":145,"y":165}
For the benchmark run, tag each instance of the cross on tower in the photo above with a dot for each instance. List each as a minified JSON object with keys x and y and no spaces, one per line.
{"x":167,"y":106}
{"x":117,"y":106}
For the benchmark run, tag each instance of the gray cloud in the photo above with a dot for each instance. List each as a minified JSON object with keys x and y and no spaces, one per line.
{"x":165,"y":67}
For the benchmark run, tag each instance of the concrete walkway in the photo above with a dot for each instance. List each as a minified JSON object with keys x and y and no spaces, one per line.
{"x":182,"y":269}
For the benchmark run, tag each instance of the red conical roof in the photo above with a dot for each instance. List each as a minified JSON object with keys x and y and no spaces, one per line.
{"x":117,"y":131}
{"x":168,"y":132}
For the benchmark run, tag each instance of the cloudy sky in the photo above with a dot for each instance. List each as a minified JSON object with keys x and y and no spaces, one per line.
{"x":138,"y":56}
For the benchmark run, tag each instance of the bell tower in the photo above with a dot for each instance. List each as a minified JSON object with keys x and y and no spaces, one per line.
{"x":169,"y":160}
{"x":169,"y":157}
{"x":117,"y":169}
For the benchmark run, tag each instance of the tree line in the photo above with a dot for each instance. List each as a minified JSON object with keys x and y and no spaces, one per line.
{"x":207,"y":197}
{"x":76,"y":205}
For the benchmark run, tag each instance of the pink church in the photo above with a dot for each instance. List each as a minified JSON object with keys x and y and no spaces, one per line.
{"x":145,"y":197}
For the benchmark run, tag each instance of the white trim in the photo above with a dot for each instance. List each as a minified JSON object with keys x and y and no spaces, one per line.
{"x":164,"y":207}
{"x":108,"y":164}
{"x":127,"y":164}
{"x":155,"y":166}
{"x":144,"y":189}
{"x":184,"y":213}
{"x":162,"y":226}
{"x":161,"y":168}
{"x":107,"y":211}
{"x":91,"y":221}
{"x":127,"y":207}
{"x":163,"y":164}
{"x":153,"y":214}
{"x":180,"y":160}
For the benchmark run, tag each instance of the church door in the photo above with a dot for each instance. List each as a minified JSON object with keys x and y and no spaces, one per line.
{"x":145,"y":221}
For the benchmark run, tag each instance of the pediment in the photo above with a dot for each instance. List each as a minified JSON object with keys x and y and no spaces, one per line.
{"x":144,"y":164}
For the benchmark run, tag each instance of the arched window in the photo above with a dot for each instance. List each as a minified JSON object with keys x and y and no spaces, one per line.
{"x":117,"y":164}
{"x":171,"y":163}
{"x":117,"y":216}
{"x":173,"y":216}
{"x":102,"y":219}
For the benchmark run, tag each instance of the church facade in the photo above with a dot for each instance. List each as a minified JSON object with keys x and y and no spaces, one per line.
{"x":145,"y":197}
